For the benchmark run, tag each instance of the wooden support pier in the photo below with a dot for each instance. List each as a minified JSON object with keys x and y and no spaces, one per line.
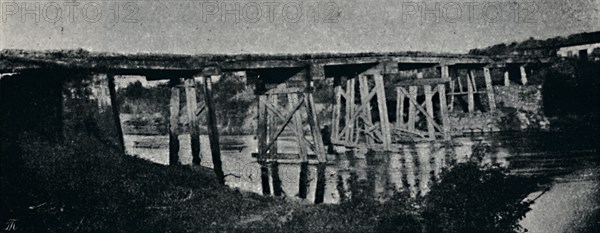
{"x":115,"y":111}
{"x":262,"y":135}
{"x":489,"y":89}
{"x":270,"y":129}
{"x":471,"y":91}
{"x":174,"y":122}
{"x":193,"y":126}
{"x":213,"y":131}
{"x":506,"y":78}
{"x":315,"y":71}
{"x":523,"y":73}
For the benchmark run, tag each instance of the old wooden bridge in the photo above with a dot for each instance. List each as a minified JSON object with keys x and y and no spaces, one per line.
{"x":360,"y":110}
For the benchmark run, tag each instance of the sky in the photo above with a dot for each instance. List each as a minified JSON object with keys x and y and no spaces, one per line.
{"x":286,"y":26}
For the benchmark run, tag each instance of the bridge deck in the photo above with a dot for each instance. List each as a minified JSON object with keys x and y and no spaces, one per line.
{"x":165,"y":66}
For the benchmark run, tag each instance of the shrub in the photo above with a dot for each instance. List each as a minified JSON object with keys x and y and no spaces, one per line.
{"x":470,"y":198}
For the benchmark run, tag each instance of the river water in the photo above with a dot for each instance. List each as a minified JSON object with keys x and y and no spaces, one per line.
{"x":570,"y":162}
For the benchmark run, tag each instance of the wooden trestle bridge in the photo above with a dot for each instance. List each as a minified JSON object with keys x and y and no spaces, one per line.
{"x":360,"y":110}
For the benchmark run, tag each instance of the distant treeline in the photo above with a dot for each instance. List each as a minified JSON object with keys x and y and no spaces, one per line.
{"x":549,"y":45}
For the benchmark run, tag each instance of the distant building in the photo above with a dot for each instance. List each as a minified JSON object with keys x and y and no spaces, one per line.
{"x":581,"y":51}
{"x":580,"y":46}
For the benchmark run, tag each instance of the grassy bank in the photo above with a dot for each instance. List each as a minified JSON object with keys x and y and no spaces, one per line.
{"x":86,"y":186}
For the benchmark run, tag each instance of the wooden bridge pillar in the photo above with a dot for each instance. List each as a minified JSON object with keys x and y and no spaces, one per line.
{"x":523,"y":75}
{"x":269,"y":131}
{"x":400,"y":108}
{"x":470,"y":91}
{"x":506,"y":77}
{"x":345,"y":135}
{"x":444,"y":111}
{"x":262,"y":132}
{"x":192,"y":108}
{"x":365,"y":103}
{"x":213,"y":131}
{"x":316,"y":71}
{"x":174,"y":122}
{"x":272,"y":127}
{"x":115,"y":110}
{"x":489,"y":89}
{"x":444,"y":107}
{"x":452,"y":87}
{"x":429,"y":108}
{"x":383,"y":112}
{"x":302,"y":146}
{"x":365,"y":112}
{"x":412,"y":110}
{"x":445,"y":72}
{"x":274,"y":100}
{"x":350,"y":121}
{"x":337,"y":107}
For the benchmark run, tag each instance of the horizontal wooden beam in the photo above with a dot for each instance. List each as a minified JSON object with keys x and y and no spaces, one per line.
{"x":417,"y":82}
{"x":16,"y":60}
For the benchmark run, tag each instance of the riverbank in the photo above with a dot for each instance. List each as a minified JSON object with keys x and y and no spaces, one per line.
{"x":80,"y":187}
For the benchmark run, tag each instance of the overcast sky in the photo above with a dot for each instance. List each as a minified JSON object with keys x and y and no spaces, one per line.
{"x":286,"y":26}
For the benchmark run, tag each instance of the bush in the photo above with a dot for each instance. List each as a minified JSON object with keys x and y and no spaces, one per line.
{"x":470,"y":198}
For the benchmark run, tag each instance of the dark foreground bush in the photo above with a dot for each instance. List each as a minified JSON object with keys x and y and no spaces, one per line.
{"x":472,"y":199}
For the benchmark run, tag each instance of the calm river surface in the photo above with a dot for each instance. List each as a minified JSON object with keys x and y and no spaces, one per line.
{"x":570,"y":162}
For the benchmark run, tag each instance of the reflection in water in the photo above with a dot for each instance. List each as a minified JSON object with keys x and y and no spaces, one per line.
{"x":412,"y":167}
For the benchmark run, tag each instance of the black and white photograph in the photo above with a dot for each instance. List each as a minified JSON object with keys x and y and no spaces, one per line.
{"x":383,"y":116}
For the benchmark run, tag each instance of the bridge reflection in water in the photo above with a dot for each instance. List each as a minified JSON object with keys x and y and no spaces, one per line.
{"x":412,"y":167}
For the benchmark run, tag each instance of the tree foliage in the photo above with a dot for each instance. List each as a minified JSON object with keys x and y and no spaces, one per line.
{"x":473,"y":199}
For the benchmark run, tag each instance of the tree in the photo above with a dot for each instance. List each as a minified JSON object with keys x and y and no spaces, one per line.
{"x":470,"y":198}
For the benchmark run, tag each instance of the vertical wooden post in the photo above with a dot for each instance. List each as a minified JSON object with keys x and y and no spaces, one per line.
{"x":386,"y":132}
{"x":365,"y":103}
{"x":262,"y":142}
{"x":302,"y":148}
{"x":460,"y":86}
{"x":451,"y":104}
{"x":523,"y":75}
{"x":277,"y":190}
{"x":174,"y":122}
{"x":412,"y":110}
{"x":276,"y":180}
{"x":399,"y":108}
{"x":272,"y":127}
{"x":337,"y":105}
{"x":297,"y":121}
{"x":474,"y":81}
{"x":213,"y":132}
{"x":444,"y":111}
{"x":192,"y":108}
{"x":429,"y":108}
{"x":349,"y":119}
{"x":489,"y":89}
{"x":470,"y":95}
{"x":315,"y":70}
{"x":445,"y":72}
{"x":115,"y":111}
{"x":506,"y":78}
